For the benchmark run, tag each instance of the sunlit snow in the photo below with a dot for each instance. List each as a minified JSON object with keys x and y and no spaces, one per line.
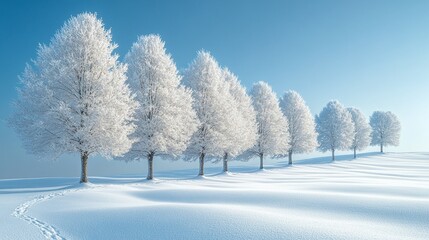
{"x":377,"y":196}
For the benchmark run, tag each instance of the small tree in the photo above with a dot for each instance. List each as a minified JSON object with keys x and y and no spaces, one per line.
{"x":212,"y":103}
{"x":242,"y":126}
{"x":75,"y":99}
{"x":385,"y":129}
{"x":302,"y":129}
{"x":335,"y":128}
{"x":362,"y":130}
{"x":165,"y":119}
{"x":273,"y":136}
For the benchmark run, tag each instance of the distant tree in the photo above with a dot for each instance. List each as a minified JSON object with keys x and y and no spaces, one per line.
{"x":302,"y":129}
{"x":75,"y":98}
{"x":242,"y":132}
{"x":335,"y":128}
{"x":165,"y":119}
{"x":273,"y":136}
{"x":385,"y":129}
{"x":361,"y":136}
{"x":212,"y":101}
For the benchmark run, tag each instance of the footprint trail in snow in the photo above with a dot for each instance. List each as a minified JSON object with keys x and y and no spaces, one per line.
{"x":47,"y":230}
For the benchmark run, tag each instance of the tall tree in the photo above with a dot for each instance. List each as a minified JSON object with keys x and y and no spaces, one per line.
{"x":212,"y":103}
{"x":335,"y":128}
{"x":385,"y":129}
{"x":165,"y":119}
{"x":273,"y":136}
{"x":75,"y":99}
{"x":242,"y":132}
{"x":302,"y":129}
{"x":362,"y":130}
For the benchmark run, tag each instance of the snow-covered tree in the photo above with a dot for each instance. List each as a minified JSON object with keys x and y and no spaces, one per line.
{"x":335,"y":128}
{"x":362,"y":130}
{"x":242,"y":132}
{"x":165,"y":119}
{"x":302,"y":129}
{"x":385,"y":129}
{"x":75,"y":99}
{"x":212,"y":102}
{"x":273,"y":135}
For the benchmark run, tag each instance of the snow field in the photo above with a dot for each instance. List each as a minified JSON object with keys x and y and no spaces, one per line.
{"x":374,"y":197}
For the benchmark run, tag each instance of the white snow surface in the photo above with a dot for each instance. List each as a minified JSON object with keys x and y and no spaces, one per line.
{"x":378,"y":196}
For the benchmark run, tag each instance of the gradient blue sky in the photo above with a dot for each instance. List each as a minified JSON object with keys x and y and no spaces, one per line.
{"x":373,"y":55}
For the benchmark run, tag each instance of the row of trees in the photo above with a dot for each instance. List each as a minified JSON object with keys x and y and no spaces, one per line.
{"x":342,"y":128}
{"x":77,"y":97}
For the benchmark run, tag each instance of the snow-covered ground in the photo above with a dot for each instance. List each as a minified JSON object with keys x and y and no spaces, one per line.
{"x":374,"y":197}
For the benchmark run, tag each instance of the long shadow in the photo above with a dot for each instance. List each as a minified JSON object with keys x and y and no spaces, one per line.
{"x":328,"y":159}
{"x":120,"y":179}
{"x":191,"y":174}
{"x":15,"y":186}
{"x":30,"y":185}
{"x":40,"y":189}
{"x":34,"y":185}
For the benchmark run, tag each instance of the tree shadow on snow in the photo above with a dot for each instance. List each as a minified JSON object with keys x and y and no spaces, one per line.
{"x":49,"y":184}
{"x":328,"y":159}
{"x":34,"y":185}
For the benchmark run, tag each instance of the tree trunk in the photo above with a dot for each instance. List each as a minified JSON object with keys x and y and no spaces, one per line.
{"x":261,"y":158}
{"x":225,"y":162}
{"x":84,"y":161}
{"x":290,"y":157}
{"x":150,"y":166}
{"x":201,"y":173}
{"x":354,"y":152}
{"x":333,"y":154}
{"x":381,"y":148}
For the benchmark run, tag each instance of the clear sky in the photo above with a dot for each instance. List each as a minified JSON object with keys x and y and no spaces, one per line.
{"x":373,"y":55}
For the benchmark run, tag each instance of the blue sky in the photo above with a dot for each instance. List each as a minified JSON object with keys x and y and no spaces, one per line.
{"x":373,"y":55}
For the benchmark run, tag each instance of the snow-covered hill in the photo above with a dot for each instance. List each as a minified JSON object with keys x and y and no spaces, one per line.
{"x":375,"y":197}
